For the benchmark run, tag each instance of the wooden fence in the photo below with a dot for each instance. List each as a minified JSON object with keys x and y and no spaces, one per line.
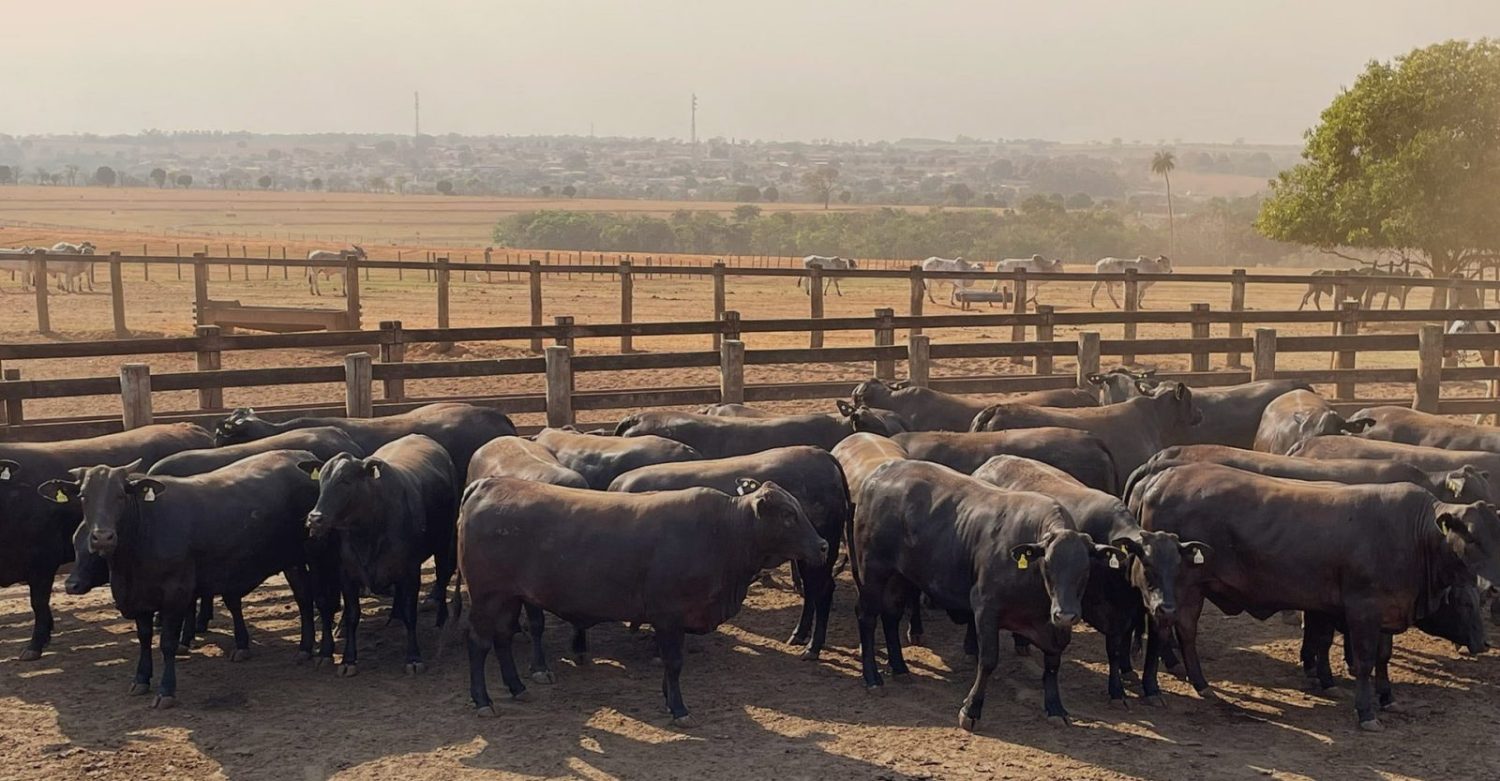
{"x":348,"y":317}
{"x":379,"y":359}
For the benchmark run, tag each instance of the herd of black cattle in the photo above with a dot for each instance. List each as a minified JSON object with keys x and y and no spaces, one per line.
{"x":1026,"y":516}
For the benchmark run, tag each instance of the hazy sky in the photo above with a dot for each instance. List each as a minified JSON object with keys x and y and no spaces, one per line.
{"x":1072,"y":70}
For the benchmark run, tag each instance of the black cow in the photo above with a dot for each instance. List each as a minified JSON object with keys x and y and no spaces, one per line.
{"x":36,"y":536}
{"x":1113,"y":601}
{"x":1079,"y":453}
{"x":460,"y":428}
{"x":1007,"y":560}
{"x":324,"y":442}
{"x":600,"y":459}
{"x":924,"y":409}
{"x":1410,"y":427}
{"x":524,"y":459}
{"x":1428,"y":459}
{"x":169,"y":540}
{"x":807,"y":473}
{"x":720,"y":437}
{"x":391,"y":512}
{"x":1368,"y":559}
{"x":1132,"y":430}
{"x":1296,"y":417}
{"x":1231,"y":415}
{"x":860,"y":455}
{"x":681,"y":561}
{"x":734,"y":411}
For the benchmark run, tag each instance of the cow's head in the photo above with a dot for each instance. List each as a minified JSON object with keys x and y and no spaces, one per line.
{"x":851,"y":262}
{"x":108,"y":497}
{"x":1464,"y":485}
{"x":359,"y":252}
{"x":1472,"y":532}
{"x":1064,"y":557}
{"x":1175,"y":407}
{"x":348,"y":494}
{"x":1459,"y":619}
{"x":1120,"y":383}
{"x":1164,"y":263}
{"x":782,"y":530}
{"x":875,"y":421}
{"x":875,"y":393}
{"x":241,"y":425}
{"x":1159,"y":564}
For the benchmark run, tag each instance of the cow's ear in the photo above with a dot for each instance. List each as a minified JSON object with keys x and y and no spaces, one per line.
{"x":1180,"y":392}
{"x":1195,"y":552}
{"x":59,"y":491}
{"x":314,"y":469}
{"x":1112,"y":556}
{"x":746,"y":486}
{"x":1130,"y":545}
{"x":1145,"y":373}
{"x":147,"y":489}
{"x":1026,"y":553}
{"x":845,"y":408}
{"x":374,"y":467}
{"x":1144,"y":388}
{"x":1451,"y":524}
{"x":899,"y":385}
{"x":1357,"y":425}
{"x":9,"y":471}
{"x":1096,"y":378}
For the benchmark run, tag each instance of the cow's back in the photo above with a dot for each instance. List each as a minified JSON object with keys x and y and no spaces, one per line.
{"x":1079,"y":453}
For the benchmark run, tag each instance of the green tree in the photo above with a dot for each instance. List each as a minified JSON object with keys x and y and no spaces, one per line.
{"x":770,"y":194}
{"x":445,"y":187}
{"x":105,"y":175}
{"x":819,"y":182}
{"x":316,"y":183}
{"x":746,"y":212}
{"x":159,"y":177}
{"x":1079,"y":201}
{"x":569,"y":191}
{"x":747,"y":193}
{"x":1405,"y":160}
{"x":1162,"y":164}
{"x":959,"y":193}
{"x":264,"y":181}
{"x":184,"y":180}
{"x":846,"y":196}
{"x":7,"y":175}
{"x":72,"y":171}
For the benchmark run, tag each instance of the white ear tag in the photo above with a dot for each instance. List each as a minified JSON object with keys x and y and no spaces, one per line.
{"x":1197,"y":556}
{"x":1114,"y":562}
{"x":5,"y":473}
{"x":375,"y":473}
{"x":150,"y":494}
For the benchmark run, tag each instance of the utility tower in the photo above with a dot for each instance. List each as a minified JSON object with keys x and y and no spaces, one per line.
{"x":693,"y":131}
{"x":416,"y":114}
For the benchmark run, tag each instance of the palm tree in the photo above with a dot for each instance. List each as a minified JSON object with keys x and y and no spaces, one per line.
{"x":1162,"y":164}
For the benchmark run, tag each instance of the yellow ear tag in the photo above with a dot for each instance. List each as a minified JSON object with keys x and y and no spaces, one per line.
{"x":1114,"y":562}
{"x":1454,"y":486}
{"x":317,"y":474}
{"x":1197,"y":556}
{"x":1023,"y":562}
{"x":61,"y":498}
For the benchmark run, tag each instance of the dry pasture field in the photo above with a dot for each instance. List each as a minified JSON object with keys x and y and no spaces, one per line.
{"x":762,"y":712}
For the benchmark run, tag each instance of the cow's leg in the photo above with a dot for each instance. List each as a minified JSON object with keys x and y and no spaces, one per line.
{"x":185,"y":641}
{"x":1051,"y":694}
{"x":928,"y":287}
{"x":39,"y":589}
{"x":326,"y":588}
{"x":171,"y":630}
{"x":1305,"y":296}
{"x":669,"y":641}
{"x":822,"y":584}
{"x":1022,"y":645}
{"x":580,"y":645}
{"x":1094,"y":292}
{"x":1117,"y":653}
{"x":1383,"y":690}
{"x":241,"y":632}
{"x":1317,"y":642}
{"x":205,"y":613}
{"x":987,"y":629}
{"x":1109,"y":287}
{"x":537,"y":621}
{"x":914,"y":630}
{"x":505,"y":635}
{"x":866,"y":612}
{"x":1364,"y":638}
{"x":406,"y":602}
{"x":142,"y":682}
{"x":445,"y":561}
{"x":1187,"y":637}
{"x":803,"y":631}
{"x":890,"y":622}
{"x":302,"y":593}
{"x":971,"y":639}
{"x":484,"y":625}
{"x":1155,"y":638}
{"x":350,"y":625}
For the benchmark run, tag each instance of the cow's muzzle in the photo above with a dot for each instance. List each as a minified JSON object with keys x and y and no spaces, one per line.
{"x":103,"y":542}
{"x":317,"y":524}
{"x":1064,"y":620}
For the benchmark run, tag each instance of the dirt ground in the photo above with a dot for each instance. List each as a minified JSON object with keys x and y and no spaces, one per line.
{"x":762,"y":712}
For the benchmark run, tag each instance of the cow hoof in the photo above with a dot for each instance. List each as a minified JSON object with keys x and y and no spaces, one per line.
{"x":163,"y":702}
{"x":1155,"y":701}
{"x":302,"y":657}
{"x":878,"y":690}
{"x":487,"y":712}
{"x":543,"y":676}
{"x":322,"y":661}
{"x":239,"y":655}
{"x":415,"y":668}
{"x":1208,"y":694}
{"x":1393,"y":707}
{"x":1373,"y":725}
{"x":523,"y":695}
{"x":1129,"y":678}
{"x":915,"y":639}
{"x":1119,"y":704}
{"x":582,"y":660}
{"x":1060,"y":721}
{"x":798,"y":639}
{"x":183,"y":650}
{"x":685,"y":721}
{"x":346,"y":670}
{"x":137,"y":689}
{"x":30,"y":655}
{"x":966,"y":723}
{"x":808,"y":655}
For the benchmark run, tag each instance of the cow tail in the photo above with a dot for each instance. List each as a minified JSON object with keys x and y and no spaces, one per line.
{"x":848,"y":532}
{"x":1136,"y":477}
{"x":982,"y":420}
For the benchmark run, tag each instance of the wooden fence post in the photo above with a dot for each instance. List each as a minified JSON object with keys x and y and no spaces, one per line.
{"x":919,"y":360}
{"x":359,"y":390}
{"x":13,"y":407}
{"x":559,"y":386}
{"x":815,"y":305}
{"x":210,"y":358}
{"x":1429,"y":368}
{"x":1044,"y":334}
{"x":43,"y":318}
{"x":1018,"y":307}
{"x":443,"y":287}
{"x":536,"y":302}
{"x":351,"y":292}
{"x":1348,"y":325}
{"x":719,"y":302}
{"x":1198,"y":361}
{"x":627,"y":303}
{"x":1088,"y":359}
{"x":1132,"y":305}
{"x":732,"y":372}
{"x":1236,"y":305}
{"x":1264,"y":355}
{"x":732,"y":325}
{"x":393,"y":350}
{"x":117,"y":295}
{"x":1339,"y":292}
{"x":564,"y":325}
{"x":885,"y":336}
{"x":200,"y":289}
{"x":918,"y":294}
{"x":135,"y":395}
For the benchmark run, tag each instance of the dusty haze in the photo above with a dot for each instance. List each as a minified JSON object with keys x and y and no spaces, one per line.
{"x":775,"y":69}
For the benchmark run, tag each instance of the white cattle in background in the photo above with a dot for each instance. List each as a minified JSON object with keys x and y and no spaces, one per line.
{"x":1142,"y":265}
{"x":949,"y":264}
{"x":13,"y":259}
{"x":314,"y":273}
{"x":71,"y":274}
{"x":826,"y":262}
{"x":1036,"y":264}
{"x":1492,"y":388}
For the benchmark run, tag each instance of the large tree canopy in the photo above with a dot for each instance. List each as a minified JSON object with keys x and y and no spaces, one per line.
{"x":1408,"y":159}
